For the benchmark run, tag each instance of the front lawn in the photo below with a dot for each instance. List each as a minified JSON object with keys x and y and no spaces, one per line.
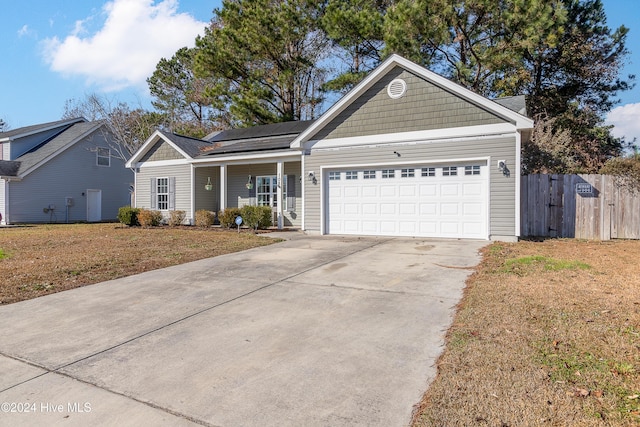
{"x":42,"y":259}
{"x":548,"y":333}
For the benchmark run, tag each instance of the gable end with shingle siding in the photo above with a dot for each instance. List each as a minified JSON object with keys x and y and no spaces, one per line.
{"x":424,"y":106}
{"x":161,"y":150}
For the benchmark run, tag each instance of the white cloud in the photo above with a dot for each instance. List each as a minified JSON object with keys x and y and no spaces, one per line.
{"x":26,"y":31}
{"x":136,"y":34}
{"x":626,"y":121}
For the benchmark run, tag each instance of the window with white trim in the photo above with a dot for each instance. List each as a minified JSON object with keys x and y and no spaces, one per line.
{"x":351,"y":175}
{"x":428,"y":171}
{"x":334,"y":176}
{"x":103,"y":157}
{"x":472,"y":170}
{"x":407,"y":173}
{"x":369,"y":175}
{"x":267,"y":191}
{"x":388,"y":173}
{"x":449,"y":171}
{"x":162,"y":194}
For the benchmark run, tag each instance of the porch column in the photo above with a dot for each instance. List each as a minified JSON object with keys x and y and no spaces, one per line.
{"x":280,"y":198}
{"x":223,"y":187}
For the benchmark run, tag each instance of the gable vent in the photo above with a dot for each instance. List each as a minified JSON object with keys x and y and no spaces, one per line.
{"x":396,"y":88}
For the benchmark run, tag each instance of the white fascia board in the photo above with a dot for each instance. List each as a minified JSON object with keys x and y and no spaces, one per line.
{"x":150,"y":142}
{"x":521,"y":122}
{"x":466,"y":132}
{"x":97,"y":126}
{"x":160,"y":163}
{"x":247,"y":157}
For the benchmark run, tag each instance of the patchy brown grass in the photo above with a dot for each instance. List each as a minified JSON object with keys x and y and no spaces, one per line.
{"x":43,"y":259}
{"x":548,"y":333}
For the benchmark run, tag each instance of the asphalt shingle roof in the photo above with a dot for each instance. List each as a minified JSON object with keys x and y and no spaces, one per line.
{"x":514,"y":103}
{"x":274,"y":136}
{"x":37,"y":128}
{"x":48,"y":148}
{"x":192,"y":146}
{"x":9,"y":168}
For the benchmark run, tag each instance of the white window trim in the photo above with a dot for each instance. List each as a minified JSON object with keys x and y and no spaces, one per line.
{"x":158,"y":193}
{"x":107,"y":156}
{"x":273,"y":191}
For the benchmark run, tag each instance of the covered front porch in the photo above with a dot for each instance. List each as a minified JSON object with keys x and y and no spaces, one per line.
{"x":234,"y":183}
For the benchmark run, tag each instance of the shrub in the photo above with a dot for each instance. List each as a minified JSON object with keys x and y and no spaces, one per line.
{"x":256,"y":216}
{"x":149,"y":218}
{"x":228,"y":216}
{"x":204,"y":218}
{"x":128,"y":215}
{"x":177,"y":217}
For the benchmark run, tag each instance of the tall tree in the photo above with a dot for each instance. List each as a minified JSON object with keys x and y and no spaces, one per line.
{"x":182,"y":97}
{"x":577,"y":80}
{"x":355,"y":28}
{"x":127,"y":129}
{"x":477,"y":43}
{"x":268,"y":52}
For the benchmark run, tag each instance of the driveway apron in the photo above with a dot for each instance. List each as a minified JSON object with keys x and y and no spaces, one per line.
{"x":316,"y":330}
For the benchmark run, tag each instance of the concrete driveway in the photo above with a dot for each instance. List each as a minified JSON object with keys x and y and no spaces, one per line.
{"x":327,"y":331}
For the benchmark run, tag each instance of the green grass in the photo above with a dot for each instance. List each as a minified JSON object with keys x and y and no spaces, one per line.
{"x":3,"y":254}
{"x":528,"y":264}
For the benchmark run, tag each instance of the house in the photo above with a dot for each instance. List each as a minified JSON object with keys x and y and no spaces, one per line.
{"x":62,"y":171}
{"x":404,"y":153}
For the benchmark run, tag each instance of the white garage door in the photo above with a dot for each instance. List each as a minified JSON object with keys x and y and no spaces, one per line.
{"x":448,"y":200}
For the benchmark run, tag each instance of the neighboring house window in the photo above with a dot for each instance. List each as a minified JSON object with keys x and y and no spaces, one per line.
{"x":428,"y":171}
{"x":369,"y":175}
{"x":103,"y":157}
{"x":351,"y":175}
{"x":334,"y":176}
{"x":450,"y":171}
{"x":388,"y":173}
{"x":163,"y":194}
{"x":472,"y":170}
{"x":267,"y":191}
{"x":407,"y":173}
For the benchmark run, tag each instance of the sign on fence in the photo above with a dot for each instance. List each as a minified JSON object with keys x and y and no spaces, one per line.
{"x":580,"y":206}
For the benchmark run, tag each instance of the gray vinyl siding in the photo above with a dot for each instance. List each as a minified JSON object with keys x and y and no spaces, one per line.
{"x":2,"y":201}
{"x":182,"y":175}
{"x":208,"y":200}
{"x":71,"y":174}
{"x":502,"y":190}
{"x":424,"y":106}
{"x":161,"y":151}
{"x":238,"y":194}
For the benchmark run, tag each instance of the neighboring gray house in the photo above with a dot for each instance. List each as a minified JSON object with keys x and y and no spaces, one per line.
{"x":405,"y":153}
{"x":61,"y":171}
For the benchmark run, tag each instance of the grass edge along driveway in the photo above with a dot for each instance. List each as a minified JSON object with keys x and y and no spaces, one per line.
{"x":43,"y":259}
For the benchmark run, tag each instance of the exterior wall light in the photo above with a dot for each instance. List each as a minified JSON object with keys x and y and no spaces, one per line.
{"x":249,"y":184}
{"x":208,"y":186}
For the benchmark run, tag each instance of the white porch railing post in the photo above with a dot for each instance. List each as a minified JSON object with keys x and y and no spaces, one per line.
{"x":280,"y":198}
{"x":223,"y":187}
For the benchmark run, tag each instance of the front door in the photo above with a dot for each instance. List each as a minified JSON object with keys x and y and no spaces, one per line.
{"x":94,"y":205}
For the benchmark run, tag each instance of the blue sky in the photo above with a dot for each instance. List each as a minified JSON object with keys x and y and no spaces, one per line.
{"x":55,"y":50}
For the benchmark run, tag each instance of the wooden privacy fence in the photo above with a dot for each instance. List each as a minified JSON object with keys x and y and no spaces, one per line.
{"x":580,"y":206}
